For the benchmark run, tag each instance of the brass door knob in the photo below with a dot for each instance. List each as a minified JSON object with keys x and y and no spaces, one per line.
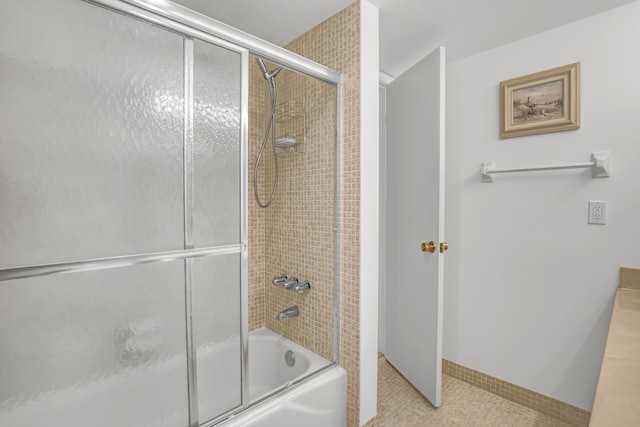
{"x":429,"y":247}
{"x":443,"y":247}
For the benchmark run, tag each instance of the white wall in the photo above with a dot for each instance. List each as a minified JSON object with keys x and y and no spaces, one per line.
{"x":369,"y":209}
{"x":528,"y":284}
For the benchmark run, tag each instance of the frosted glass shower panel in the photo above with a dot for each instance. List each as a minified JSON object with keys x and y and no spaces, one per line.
{"x":217,"y":141}
{"x":104,"y":347}
{"x":91,"y":147}
{"x":216,"y":314}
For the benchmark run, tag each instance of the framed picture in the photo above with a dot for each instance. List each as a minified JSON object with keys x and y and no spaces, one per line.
{"x":548,"y":101}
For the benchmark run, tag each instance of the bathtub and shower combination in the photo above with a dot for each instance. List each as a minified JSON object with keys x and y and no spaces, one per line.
{"x":280,"y":395}
{"x":124,"y":166}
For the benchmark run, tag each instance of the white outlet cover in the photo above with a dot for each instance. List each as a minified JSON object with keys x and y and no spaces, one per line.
{"x":597,"y":212}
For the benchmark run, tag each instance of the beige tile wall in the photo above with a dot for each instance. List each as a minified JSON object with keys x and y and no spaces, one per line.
{"x":295,"y":235}
{"x":336,"y":44}
{"x":300,"y":223}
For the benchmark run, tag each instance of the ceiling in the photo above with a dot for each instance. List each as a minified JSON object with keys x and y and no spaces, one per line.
{"x":409,"y":29}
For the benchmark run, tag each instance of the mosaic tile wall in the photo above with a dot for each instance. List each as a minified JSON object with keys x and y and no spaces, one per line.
{"x":336,"y":44}
{"x":295,"y":235}
{"x":300,"y":223}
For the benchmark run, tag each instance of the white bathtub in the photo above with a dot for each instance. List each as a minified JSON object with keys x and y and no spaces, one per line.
{"x":125,"y":400}
{"x":317,"y":402}
{"x":268,"y":369}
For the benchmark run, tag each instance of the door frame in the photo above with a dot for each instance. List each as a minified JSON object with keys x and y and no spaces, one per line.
{"x":382,"y":263}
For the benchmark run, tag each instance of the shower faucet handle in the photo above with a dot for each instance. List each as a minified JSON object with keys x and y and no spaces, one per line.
{"x":302,"y":287}
{"x":290,"y":283}
{"x":279,"y":280}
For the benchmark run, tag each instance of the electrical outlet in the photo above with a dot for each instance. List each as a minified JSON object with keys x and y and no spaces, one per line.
{"x":597,"y":212}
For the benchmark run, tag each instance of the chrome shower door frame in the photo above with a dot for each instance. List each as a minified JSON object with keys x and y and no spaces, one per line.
{"x":190,"y":252}
{"x":194,"y":25}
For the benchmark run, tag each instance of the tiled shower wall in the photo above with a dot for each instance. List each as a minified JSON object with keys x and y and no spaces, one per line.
{"x":295,"y":235}
{"x":300,"y":223}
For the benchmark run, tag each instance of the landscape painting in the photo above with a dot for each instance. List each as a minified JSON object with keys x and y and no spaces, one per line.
{"x":540,"y":102}
{"x":547,"y":101}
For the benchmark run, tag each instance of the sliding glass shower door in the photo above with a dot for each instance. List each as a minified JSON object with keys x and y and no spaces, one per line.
{"x":122,"y":220}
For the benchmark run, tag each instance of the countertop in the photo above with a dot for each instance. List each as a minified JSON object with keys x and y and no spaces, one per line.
{"x":617,"y":400}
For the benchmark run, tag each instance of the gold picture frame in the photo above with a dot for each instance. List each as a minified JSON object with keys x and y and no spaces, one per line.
{"x":547,"y":101}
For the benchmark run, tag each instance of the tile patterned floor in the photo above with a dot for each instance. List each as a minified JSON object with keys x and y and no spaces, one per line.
{"x":400,"y":405}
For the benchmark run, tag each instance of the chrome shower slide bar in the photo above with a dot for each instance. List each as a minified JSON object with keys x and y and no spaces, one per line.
{"x":113,"y":262}
{"x":599,"y":164}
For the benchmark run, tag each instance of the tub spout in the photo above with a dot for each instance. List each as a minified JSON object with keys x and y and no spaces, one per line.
{"x":289,"y":312}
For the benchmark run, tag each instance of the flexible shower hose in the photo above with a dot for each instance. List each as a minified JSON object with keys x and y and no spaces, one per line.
{"x":271,"y":129}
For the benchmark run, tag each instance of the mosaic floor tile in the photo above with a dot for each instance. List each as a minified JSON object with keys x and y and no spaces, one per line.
{"x":400,"y":405}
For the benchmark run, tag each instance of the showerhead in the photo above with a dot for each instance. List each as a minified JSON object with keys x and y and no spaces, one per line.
{"x":267,"y":75}
{"x":270,"y":78}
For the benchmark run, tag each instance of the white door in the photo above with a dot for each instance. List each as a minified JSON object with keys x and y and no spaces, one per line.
{"x":415,"y":215}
